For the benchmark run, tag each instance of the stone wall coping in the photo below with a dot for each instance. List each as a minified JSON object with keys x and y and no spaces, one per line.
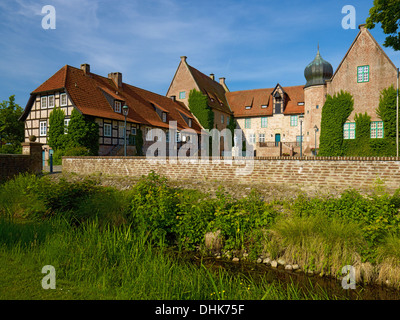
{"x":241,"y":158}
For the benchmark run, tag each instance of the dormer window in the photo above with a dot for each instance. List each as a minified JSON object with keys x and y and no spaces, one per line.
{"x":190,"y":122}
{"x":164,"y":117}
{"x":263,"y":106}
{"x":300,"y":103}
{"x":117,"y":106}
{"x":248,"y":107}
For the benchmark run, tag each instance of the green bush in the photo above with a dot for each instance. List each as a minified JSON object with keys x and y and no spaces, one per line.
{"x":154,"y":206}
{"x":63,"y":198}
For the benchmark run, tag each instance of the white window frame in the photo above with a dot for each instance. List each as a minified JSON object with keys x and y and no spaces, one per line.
{"x":107,"y":130}
{"x":66,"y":124}
{"x":150,"y":136}
{"x":261,"y":137}
{"x":63,"y":96}
{"x":43,"y":128}
{"x":48,"y":101}
{"x":117,"y":106}
{"x":43,"y":105}
{"x":252,"y":138}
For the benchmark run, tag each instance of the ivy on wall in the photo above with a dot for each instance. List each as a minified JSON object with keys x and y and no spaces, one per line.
{"x":335,"y":112}
{"x":199,"y":107}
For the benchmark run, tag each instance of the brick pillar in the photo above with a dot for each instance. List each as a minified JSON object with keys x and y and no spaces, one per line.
{"x":34,"y":149}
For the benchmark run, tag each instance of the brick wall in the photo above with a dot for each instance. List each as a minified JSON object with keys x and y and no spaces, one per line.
{"x":29,"y":161}
{"x":360,"y":173}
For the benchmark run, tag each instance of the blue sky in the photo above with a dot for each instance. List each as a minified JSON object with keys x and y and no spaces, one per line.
{"x":253,"y":44}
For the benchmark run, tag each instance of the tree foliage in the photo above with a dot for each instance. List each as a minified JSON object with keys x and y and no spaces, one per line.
{"x":335,"y":112}
{"x":11,"y":129}
{"x":386,"y":12}
{"x":83,"y":132}
{"x":57,"y":138}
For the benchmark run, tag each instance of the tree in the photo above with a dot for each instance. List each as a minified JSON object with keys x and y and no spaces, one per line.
{"x":11,"y":129}
{"x":335,"y":113}
{"x":83,"y":132}
{"x":386,"y":12}
{"x":57,"y":139}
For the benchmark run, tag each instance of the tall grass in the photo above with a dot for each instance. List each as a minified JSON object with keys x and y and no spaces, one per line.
{"x":92,"y":262}
{"x":317,"y":243}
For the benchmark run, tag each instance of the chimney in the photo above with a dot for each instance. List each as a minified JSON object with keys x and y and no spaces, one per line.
{"x":183,"y":58}
{"x":222,"y":83}
{"x":85,"y":67}
{"x":116,"y":77}
{"x":173,"y":98}
{"x":212,"y":76}
{"x":362,"y":26}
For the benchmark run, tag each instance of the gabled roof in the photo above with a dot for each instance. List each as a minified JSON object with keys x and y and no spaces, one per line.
{"x":88,"y":94}
{"x":239,"y":100}
{"x":362,"y":29}
{"x":214,"y":90}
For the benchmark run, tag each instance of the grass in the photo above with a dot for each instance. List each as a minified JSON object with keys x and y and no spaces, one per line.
{"x":115,"y":263}
{"x":111,"y":244}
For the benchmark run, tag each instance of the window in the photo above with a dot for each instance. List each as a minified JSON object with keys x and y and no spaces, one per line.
{"x":117,"y":106}
{"x":349,"y":130}
{"x":293,"y":121}
{"x":247,"y":123}
{"x":50,"y":101}
{"x":363,"y":74}
{"x":248,"y":107}
{"x":317,"y":106}
{"x":264,"y":122}
{"x":278,"y":108}
{"x":261,"y":137}
{"x":252,"y":138}
{"x":66,"y":124}
{"x":227,"y":120}
{"x":182,"y":95}
{"x":299,"y":139}
{"x":63,"y":99}
{"x":190,"y":122}
{"x":264,"y":106}
{"x":149,"y":134}
{"x":107,"y":130}
{"x":43,"y":102}
{"x":167,"y":136}
{"x":164,"y":117}
{"x":43,"y":128}
{"x":377,"y":130}
{"x":300,"y":103}
{"x":121,"y":131}
{"x":222,"y":118}
{"x":178,"y":137}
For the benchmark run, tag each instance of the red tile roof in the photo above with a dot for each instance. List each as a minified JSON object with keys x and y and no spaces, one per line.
{"x":239,"y":100}
{"x":214,"y":90}
{"x":88,"y":94}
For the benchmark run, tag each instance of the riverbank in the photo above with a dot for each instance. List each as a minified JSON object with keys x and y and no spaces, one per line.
{"x":319,"y":234}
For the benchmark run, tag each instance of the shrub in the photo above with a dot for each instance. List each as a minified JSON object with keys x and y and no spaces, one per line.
{"x":154,"y":206}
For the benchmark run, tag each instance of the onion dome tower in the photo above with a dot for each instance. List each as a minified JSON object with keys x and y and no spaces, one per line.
{"x":318,"y":71}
